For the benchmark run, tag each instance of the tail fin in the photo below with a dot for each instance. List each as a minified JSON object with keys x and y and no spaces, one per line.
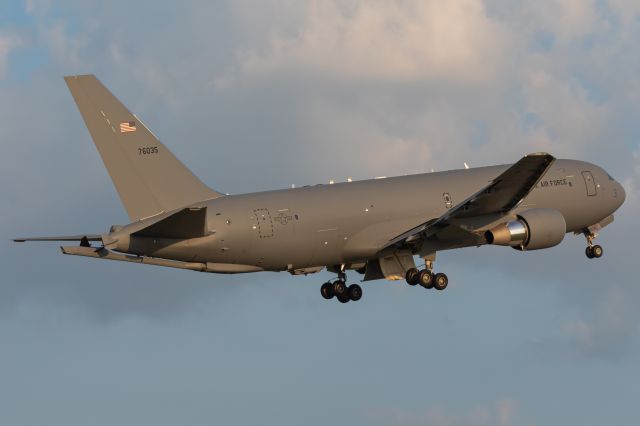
{"x":148,"y":177}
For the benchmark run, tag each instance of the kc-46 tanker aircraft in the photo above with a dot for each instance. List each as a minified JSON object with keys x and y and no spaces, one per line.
{"x":375,"y":227}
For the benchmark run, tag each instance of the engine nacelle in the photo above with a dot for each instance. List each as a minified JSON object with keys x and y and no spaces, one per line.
{"x":534,"y":229}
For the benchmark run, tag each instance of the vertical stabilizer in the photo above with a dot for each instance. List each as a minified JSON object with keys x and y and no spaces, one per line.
{"x":148,"y":177}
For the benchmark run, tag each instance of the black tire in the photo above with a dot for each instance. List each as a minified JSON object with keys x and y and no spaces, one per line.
{"x":327,"y":291}
{"x":425,"y":278}
{"x":340,"y":288}
{"x":412,"y":276}
{"x":589,"y":252}
{"x":440,"y":281}
{"x":597,"y":251}
{"x":355,"y":292}
{"x":343,"y":298}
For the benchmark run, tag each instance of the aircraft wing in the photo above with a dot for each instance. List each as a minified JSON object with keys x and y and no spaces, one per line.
{"x":501,"y":196}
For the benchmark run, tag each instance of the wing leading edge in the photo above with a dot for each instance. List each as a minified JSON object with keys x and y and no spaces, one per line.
{"x":501,"y":196}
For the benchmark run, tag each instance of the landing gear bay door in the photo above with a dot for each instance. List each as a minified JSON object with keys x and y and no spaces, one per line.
{"x":391,"y":267}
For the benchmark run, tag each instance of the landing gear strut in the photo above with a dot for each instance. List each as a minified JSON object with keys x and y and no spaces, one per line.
{"x":340,"y":290}
{"x":592,"y":251}
{"x":426,"y":277}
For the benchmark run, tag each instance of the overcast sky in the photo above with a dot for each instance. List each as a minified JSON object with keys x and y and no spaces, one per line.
{"x":256,"y":95}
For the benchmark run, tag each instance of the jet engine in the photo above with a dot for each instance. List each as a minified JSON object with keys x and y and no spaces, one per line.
{"x":532,"y":230}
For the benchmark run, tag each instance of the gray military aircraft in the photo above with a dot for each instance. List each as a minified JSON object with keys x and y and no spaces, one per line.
{"x":374,"y":227}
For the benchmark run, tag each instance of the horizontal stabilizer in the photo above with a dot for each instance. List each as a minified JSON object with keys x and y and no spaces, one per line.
{"x":103,"y":253}
{"x":80,"y":238}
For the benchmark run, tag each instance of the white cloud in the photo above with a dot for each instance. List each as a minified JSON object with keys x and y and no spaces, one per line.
{"x":29,"y":6}
{"x":458,"y":65}
{"x":566,"y":116}
{"x":604,"y":328}
{"x":627,"y":11}
{"x":405,"y":41}
{"x":65,"y":47}
{"x":566,"y":19}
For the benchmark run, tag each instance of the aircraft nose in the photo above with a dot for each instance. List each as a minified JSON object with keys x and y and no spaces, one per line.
{"x":622,"y":195}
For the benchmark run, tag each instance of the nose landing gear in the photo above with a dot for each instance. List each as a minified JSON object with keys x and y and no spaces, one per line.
{"x":593,"y":251}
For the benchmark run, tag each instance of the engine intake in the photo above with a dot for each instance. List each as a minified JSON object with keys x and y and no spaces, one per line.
{"x":534,"y":229}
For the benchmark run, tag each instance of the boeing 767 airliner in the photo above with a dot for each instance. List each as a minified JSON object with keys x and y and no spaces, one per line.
{"x":375,"y":227}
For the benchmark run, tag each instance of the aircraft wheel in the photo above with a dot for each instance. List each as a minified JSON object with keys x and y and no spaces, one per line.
{"x":340,"y":288}
{"x":589,"y":252}
{"x":327,"y":291}
{"x":412,"y":276}
{"x":440,"y":281}
{"x":355,"y":292}
{"x":425,"y":278}
{"x":343,"y":298}
{"x":597,"y":251}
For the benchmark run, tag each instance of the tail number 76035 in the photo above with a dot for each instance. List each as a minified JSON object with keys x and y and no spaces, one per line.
{"x":148,"y":150}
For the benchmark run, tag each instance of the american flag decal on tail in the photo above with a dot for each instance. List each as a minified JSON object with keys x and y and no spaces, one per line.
{"x":128,"y":127}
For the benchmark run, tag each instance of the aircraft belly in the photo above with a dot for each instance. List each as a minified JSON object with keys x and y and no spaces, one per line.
{"x":186,"y":250}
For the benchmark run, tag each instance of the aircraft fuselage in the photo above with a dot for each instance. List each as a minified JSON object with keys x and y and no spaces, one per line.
{"x":347,"y":223}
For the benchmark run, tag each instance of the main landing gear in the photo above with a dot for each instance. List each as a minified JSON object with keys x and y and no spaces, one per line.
{"x":592,"y":251}
{"x":340,"y":290}
{"x":426,"y":278}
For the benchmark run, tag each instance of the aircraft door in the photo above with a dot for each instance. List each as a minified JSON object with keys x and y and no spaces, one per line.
{"x":264,"y":223}
{"x":590,"y":183}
